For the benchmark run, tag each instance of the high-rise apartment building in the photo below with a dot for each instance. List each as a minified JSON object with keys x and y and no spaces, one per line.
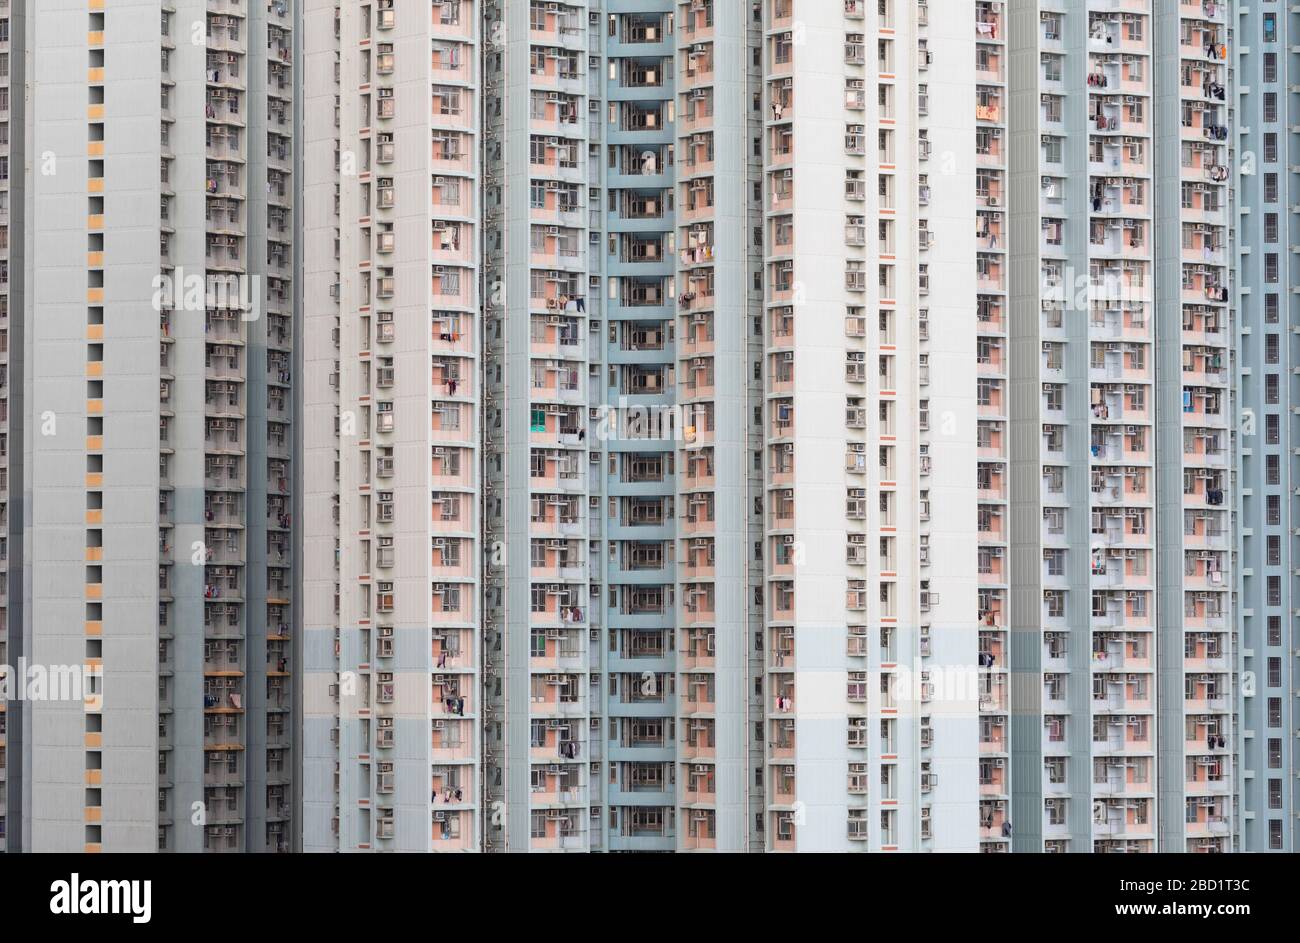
{"x":12,"y":48}
{"x":157,"y":356}
{"x":393,"y":697}
{"x":717,"y":336}
{"x":646,"y":425}
{"x":993,"y":432}
{"x":1263,"y":207}
{"x":539,"y":697}
{"x":667,"y":555}
{"x":1199,"y":736}
{"x":657,"y":656}
{"x":1080,"y":205}
{"x":1121,"y":555}
{"x":870,"y":428}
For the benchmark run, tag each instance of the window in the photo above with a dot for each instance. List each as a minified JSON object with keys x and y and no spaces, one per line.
{"x":1054,"y":601}
{"x":1270,"y":27}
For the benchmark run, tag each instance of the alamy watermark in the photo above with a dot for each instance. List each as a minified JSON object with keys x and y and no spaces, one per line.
{"x":35,"y":682}
{"x":665,"y":423}
{"x":203,"y":292}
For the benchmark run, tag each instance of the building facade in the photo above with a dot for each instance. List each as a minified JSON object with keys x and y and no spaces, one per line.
{"x":871,"y":681}
{"x":12,"y":50}
{"x":157,"y":374}
{"x":505,"y":482}
{"x":538,"y":614}
{"x":393,"y":704}
{"x":640,"y":292}
{"x":12,"y":135}
{"x":1264,"y":361}
{"x":1121,"y":477}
